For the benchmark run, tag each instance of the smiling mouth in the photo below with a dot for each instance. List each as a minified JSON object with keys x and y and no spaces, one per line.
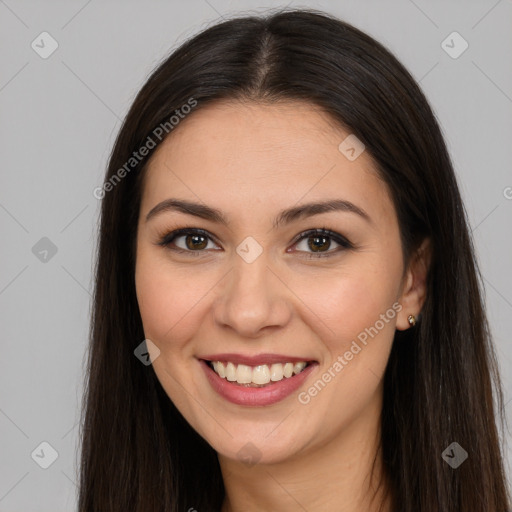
{"x":256,"y":376}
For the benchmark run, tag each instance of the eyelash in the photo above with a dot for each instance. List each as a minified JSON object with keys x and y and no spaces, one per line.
{"x":344,"y":243}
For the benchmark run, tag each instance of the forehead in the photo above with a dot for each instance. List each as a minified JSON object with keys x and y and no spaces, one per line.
{"x":249,"y":153}
{"x":240,"y":129}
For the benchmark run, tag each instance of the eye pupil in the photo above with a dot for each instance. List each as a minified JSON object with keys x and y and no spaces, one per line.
{"x":193,"y":246}
{"x":316,"y":247}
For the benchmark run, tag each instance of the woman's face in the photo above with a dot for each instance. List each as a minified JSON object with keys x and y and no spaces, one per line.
{"x":255,"y":291}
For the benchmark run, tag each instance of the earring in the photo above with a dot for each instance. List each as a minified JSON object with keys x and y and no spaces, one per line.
{"x":412,"y":320}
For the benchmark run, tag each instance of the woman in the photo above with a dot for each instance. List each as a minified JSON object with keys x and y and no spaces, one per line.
{"x":287,"y":311}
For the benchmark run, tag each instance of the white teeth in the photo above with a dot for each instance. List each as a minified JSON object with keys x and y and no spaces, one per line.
{"x":298,"y":367}
{"x":244,"y":374}
{"x":261,"y":374}
{"x":231,"y":372}
{"x":276,"y":372}
{"x":258,"y":375}
{"x":221,"y":370}
{"x":288,"y":369}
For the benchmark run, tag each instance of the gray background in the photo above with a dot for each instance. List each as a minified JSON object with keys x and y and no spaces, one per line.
{"x":59,"y":119}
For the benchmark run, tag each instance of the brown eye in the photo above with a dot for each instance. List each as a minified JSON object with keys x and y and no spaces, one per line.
{"x":317,"y":242}
{"x":195,"y":242}
{"x":186,"y":240}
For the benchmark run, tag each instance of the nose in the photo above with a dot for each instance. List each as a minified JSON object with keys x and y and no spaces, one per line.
{"x":252,"y":300}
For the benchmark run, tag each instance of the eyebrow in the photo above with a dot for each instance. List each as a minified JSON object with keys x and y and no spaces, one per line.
{"x":284,"y":217}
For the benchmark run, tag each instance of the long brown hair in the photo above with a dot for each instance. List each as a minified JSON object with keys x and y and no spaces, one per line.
{"x":441,"y":384}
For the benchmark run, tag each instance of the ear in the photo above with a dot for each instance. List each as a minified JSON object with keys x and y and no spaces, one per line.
{"x":414,"y":286}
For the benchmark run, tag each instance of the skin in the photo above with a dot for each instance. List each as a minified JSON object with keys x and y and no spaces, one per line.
{"x":251,"y":161}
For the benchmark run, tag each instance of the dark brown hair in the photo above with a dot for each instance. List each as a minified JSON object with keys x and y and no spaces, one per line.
{"x":441,"y":384}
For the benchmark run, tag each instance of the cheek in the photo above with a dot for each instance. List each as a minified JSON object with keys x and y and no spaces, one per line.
{"x":358,"y":320}
{"x":168,"y":301}
{"x":346,"y":304}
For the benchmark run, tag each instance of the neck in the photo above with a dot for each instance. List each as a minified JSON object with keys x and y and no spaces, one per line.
{"x":333,"y":477}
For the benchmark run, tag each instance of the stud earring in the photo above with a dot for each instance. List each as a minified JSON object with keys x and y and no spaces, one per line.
{"x":412,"y":320}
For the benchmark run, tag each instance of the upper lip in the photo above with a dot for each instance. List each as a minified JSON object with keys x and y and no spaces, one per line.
{"x":254,"y":360}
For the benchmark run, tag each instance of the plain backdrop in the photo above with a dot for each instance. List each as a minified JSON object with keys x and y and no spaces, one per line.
{"x":59,"y":118}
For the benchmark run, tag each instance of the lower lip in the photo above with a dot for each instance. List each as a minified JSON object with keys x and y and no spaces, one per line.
{"x":268,"y":395}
